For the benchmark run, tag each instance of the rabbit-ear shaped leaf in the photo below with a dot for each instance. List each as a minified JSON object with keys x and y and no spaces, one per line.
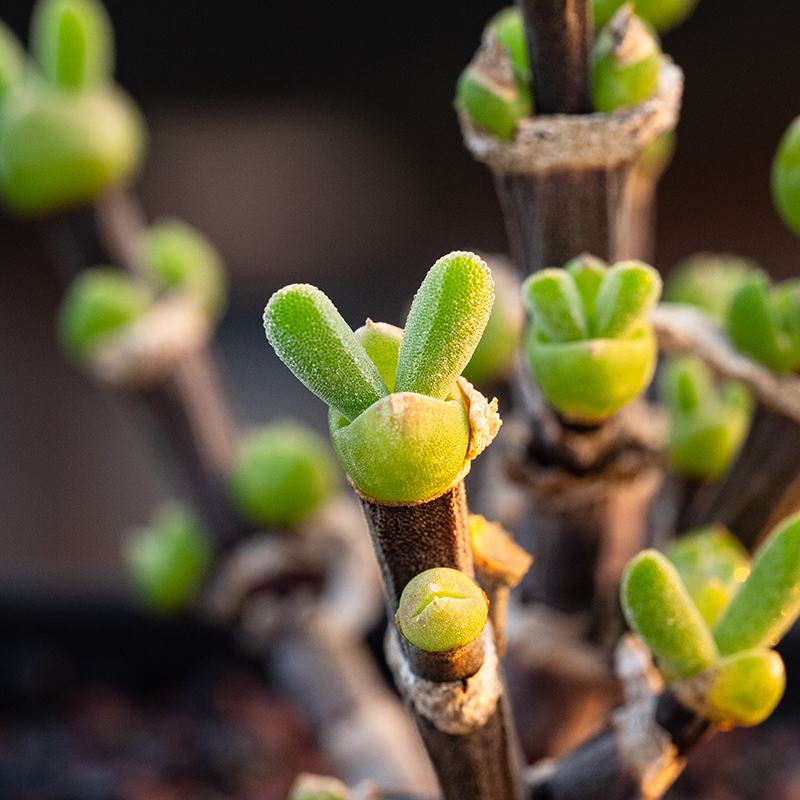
{"x":658,"y":608}
{"x":768,"y":603}
{"x":313,"y":340}
{"x":73,"y":41}
{"x":445,"y":324}
{"x":628,"y":292}
{"x":556,"y":305}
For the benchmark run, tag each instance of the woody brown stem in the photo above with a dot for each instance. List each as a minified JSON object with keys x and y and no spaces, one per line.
{"x":473,"y":760}
{"x":189,"y":403}
{"x":559,"y":34}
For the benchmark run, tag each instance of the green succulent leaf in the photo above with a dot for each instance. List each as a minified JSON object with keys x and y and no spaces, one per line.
{"x":168,"y":561}
{"x":12,"y":60}
{"x":626,"y":62}
{"x":628,"y":291}
{"x":445,"y":324}
{"x":381,"y":342}
{"x":313,"y":340}
{"x":178,"y":256}
{"x":494,"y":356}
{"x":281,"y":473}
{"x":768,"y":602}
{"x":712,"y":564}
{"x":744,"y":688}
{"x":441,"y":609}
{"x":61,"y":149}
{"x":709,"y":425}
{"x":588,"y":272}
{"x":509,"y":28}
{"x":100,"y":303}
{"x":663,"y":15}
{"x":493,"y":91}
{"x":766,"y":324}
{"x":405,"y":448}
{"x":786,"y":176}
{"x":556,"y":305}
{"x":73,"y":42}
{"x":588,"y":381}
{"x":658,"y":608}
{"x":708,"y":281}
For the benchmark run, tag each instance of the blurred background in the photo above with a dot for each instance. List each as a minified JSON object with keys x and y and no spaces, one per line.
{"x":316,"y":142}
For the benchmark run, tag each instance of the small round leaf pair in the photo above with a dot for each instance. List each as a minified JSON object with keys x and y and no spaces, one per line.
{"x":281,"y":473}
{"x":168,"y":561}
{"x":590,"y":346}
{"x":441,"y":609}
{"x":663,"y":15}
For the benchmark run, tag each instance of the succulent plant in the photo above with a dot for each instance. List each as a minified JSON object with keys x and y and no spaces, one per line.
{"x":590,"y":346}
{"x":708,"y":281}
{"x":168,"y":560}
{"x":66,"y":131}
{"x":494,"y":89}
{"x":177,"y":256}
{"x":282,"y":473}
{"x":764,"y":321}
{"x":100,"y":303}
{"x":626,"y":62}
{"x":709,"y":423}
{"x":441,"y":609}
{"x":786,"y":176}
{"x":399,"y":423}
{"x":718,"y":660}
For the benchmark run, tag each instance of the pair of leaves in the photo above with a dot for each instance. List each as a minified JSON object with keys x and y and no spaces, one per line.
{"x":764,"y":321}
{"x":443,"y":328}
{"x":730,"y":639}
{"x":587,"y":299}
{"x":709,"y":423}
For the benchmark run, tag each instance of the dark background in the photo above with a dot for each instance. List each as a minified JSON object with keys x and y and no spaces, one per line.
{"x":317,"y":142}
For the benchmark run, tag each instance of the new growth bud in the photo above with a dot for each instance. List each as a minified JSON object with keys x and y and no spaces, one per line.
{"x":441,"y":609}
{"x":590,"y":346}
{"x":663,"y":15}
{"x":626,"y":62}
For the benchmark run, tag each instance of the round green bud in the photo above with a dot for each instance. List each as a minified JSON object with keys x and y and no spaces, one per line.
{"x":658,"y":608}
{"x":492,"y":92}
{"x":712,"y":564}
{"x":588,"y":380}
{"x":381,"y":342}
{"x":786,"y":176}
{"x":509,"y":28}
{"x":405,"y":448}
{"x":281,"y":473}
{"x":100,"y":303}
{"x":73,"y":42}
{"x":494,"y":356}
{"x":178,"y":256}
{"x":765,"y":321}
{"x":708,"y":281}
{"x":663,"y":15}
{"x":441,"y":609}
{"x":744,"y":688}
{"x":59,"y":149}
{"x":768,"y":602}
{"x":168,"y":561}
{"x":626,"y":62}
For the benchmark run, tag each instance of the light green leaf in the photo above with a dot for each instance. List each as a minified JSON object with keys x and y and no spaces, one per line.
{"x":556,"y":305}
{"x":628,"y":291}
